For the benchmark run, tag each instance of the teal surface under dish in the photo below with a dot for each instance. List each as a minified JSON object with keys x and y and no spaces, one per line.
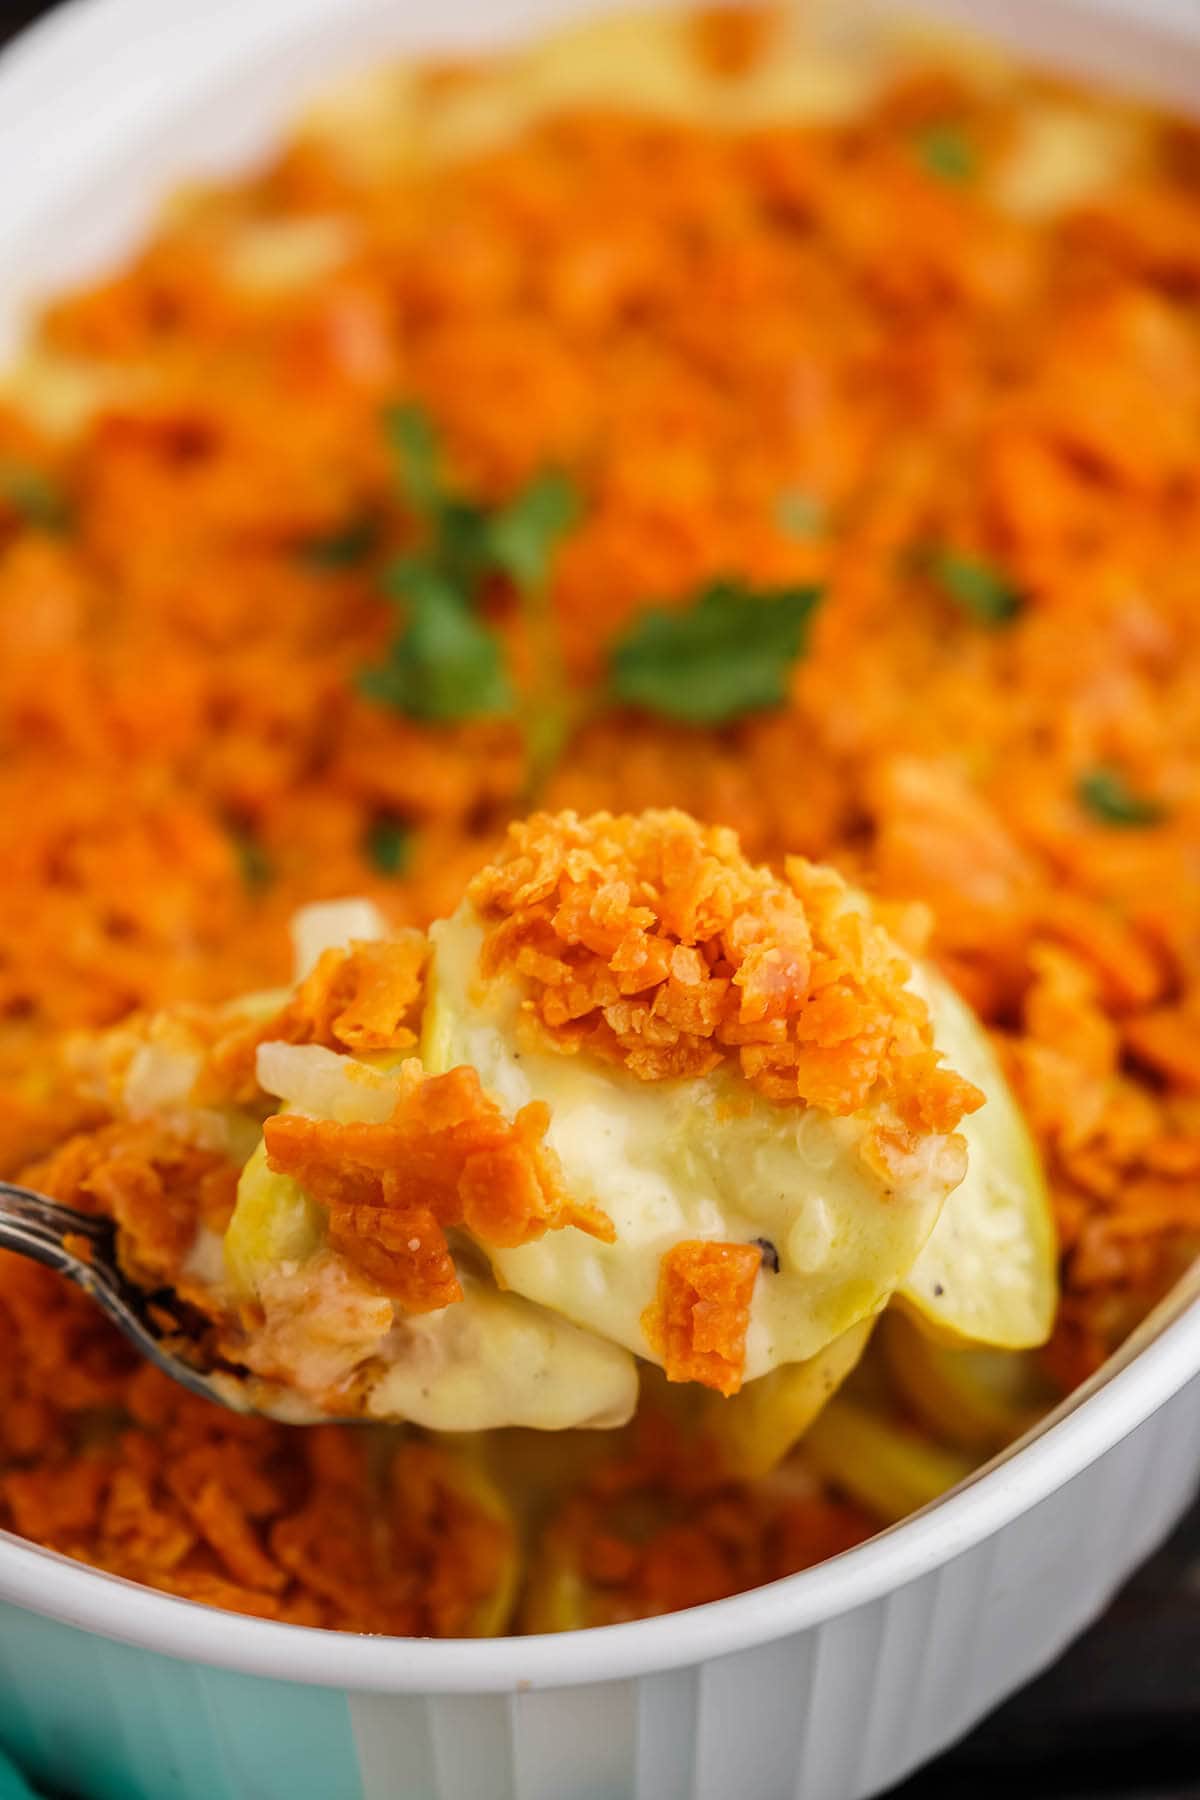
{"x":145,"y":1727}
{"x":12,"y":1785}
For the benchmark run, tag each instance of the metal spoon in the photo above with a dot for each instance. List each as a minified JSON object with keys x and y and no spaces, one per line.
{"x":152,"y":1320}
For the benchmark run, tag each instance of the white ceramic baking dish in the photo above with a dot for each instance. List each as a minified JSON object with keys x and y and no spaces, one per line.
{"x":829,"y":1685}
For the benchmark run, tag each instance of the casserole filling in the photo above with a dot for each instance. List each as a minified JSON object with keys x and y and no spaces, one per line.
{"x":740,"y":413}
{"x":637,"y":1098}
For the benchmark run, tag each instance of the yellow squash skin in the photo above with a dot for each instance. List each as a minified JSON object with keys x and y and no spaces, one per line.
{"x":988,"y":1274}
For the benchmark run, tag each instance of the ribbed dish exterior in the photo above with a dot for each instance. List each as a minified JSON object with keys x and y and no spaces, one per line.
{"x":837,"y":1712}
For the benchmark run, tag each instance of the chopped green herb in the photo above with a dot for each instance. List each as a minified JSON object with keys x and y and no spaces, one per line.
{"x":414,"y":444}
{"x":799,"y":514}
{"x":388,"y":843}
{"x":460,"y":547}
{"x":257,"y":870}
{"x":445,"y":665}
{"x":457,"y":528}
{"x":1107,"y":795}
{"x":983,"y":592}
{"x":34,"y":496}
{"x":727,"y":655}
{"x":345,"y":548}
{"x":522,"y":536}
{"x":469,"y":541}
{"x":406,"y":575}
{"x":948,"y":153}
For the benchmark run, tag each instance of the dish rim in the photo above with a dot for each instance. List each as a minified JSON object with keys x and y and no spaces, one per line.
{"x":1156,"y":1363}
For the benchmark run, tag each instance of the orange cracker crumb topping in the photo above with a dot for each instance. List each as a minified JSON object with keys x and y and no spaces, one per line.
{"x":363,"y":998}
{"x":700,"y":1315}
{"x":446,"y":1157}
{"x":654,"y":942}
{"x":157,"y":1188}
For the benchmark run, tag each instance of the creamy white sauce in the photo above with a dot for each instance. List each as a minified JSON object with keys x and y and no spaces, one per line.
{"x":494,"y":1359}
{"x":676,"y":1160}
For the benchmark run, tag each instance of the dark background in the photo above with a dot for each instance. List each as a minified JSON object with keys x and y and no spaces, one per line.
{"x":1118,"y":1718}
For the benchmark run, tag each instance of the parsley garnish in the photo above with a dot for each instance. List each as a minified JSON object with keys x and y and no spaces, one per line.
{"x":460,"y":547}
{"x":388,"y":843}
{"x":948,"y":153}
{"x":34,"y":496}
{"x":344,"y":548}
{"x":522,"y":536}
{"x":1107,"y":795}
{"x":254,"y":865}
{"x":446,"y":663}
{"x":728,"y":654}
{"x":982,"y":591}
{"x":469,"y":541}
{"x":414,"y":446}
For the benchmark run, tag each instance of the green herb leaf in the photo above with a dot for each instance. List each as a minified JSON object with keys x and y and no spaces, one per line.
{"x":446,"y":665}
{"x":414,"y":444}
{"x":388,"y":844}
{"x":257,"y":870}
{"x":344,"y":548}
{"x":983,"y":592}
{"x":461,"y":547}
{"x":727,"y":655}
{"x":1107,"y":795}
{"x":799,"y":514}
{"x":522,"y":536}
{"x":948,"y":153}
{"x":34,"y":496}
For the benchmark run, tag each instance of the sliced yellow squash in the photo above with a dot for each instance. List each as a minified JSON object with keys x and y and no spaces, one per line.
{"x":755,"y":1429}
{"x":468,"y":1477}
{"x":703,"y":1157}
{"x":273,"y":1222}
{"x":556,"y":1596}
{"x":884,"y":1466}
{"x":976,"y":1399}
{"x":988,"y":1273}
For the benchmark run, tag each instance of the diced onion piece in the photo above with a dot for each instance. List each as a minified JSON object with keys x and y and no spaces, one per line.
{"x":332,"y":925}
{"x":61,"y":394}
{"x":318,"y":1082}
{"x":276,"y":256}
{"x":1065,"y":152}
